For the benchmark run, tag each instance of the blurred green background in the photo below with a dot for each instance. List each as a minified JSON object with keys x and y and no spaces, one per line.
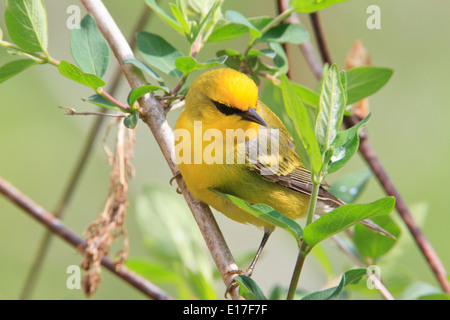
{"x":39,"y":145}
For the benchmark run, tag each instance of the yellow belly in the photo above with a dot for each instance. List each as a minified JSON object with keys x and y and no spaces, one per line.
{"x":247,"y":185}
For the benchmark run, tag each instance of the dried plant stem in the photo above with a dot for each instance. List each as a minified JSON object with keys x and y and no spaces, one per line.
{"x":57,"y":227}
{"x":152,"y":114}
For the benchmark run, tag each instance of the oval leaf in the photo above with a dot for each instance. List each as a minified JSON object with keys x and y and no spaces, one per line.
{"x":74,"y":73}
{"x":89,"y":49}
{"x":345,"y":145}
{"x":131,"y":121}
{"x":238,"y":18}
{"x":27,"y":24}
{"x":249,"y":289}
{"x":286,"y":33}
{"x":331,"y":109}
{"x":352,"y":276}
{"x":159,"y":53}
{"x":12,"y":68}
{"x":228,"y":32}
{"x":373,"y":245}
{"x":145,"y":68}
{"x":344,"y":217}
{"x":296,"y":110}
{"x":365,"y":81}
{"x":136,"y":93}
{"x":101,"y":102}
{"x":265,"y":213}
{"x":190,"y":64}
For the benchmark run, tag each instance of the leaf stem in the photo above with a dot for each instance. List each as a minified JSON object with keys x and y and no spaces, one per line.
{"x":43,"y":58}
{"x":113,"y":100}
{"x":305,"y":248}
{"x":283,"y":15}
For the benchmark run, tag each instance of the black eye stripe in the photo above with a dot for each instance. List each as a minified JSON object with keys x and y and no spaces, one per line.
{"x":226,"y":110}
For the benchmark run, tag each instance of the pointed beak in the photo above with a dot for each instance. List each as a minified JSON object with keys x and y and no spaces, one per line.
{"x":253,"y":116}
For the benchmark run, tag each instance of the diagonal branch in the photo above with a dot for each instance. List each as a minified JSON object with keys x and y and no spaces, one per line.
{"x":152,"y":113}
{"x":369,"y":154}
{"x":57,"y":227}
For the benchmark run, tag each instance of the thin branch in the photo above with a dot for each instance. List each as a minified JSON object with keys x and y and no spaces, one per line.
{"x":379,"y":285}
{"x":306,"y":48}
{"x":320,"y":38}
{"x":371,"y":158}
{"x":79,"y":167}
{"x":152,"y":114}
{"x":57,"y":227}
{"x":73,"y":112}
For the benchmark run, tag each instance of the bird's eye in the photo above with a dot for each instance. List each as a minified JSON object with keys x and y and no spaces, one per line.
{"x":226,"y":110}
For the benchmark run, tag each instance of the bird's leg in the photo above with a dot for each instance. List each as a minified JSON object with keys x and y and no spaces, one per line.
{"x":249,"y":271}
{"x":267,"y":233}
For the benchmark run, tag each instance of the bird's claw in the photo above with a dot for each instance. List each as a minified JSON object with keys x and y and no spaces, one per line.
{"x":177,"y":175}
{"x":234,"y":283}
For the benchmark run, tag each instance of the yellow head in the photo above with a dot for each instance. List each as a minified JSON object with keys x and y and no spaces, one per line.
{"x":224,"y":94}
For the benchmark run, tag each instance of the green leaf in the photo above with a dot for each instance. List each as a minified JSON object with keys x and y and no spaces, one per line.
{"x":233,"y":58}
{"x":238,"y":18}
{"x":190,"y":64}
{"x":163,"y":15}
{"x":345,"y":145}
{"x":308,"y":96}
{"x":26,"y":21}
{"x":88,"y":47}
{"x":145,"y":68}
{"x":280,"y":60}
{"x":136,"y":93}
{"x":181,"y":19}
{"x":10,"y":69}
{"x":436,"y":296}
{"x":249,"y":289}
{"x":331,"y":110}
{"x":373,"y":245}
{"x":74,"y":73}
{"x":344,"y":217}
{"x":350,"y":186}
{"x":286,"y":33}
{"x":308,"y":6}
{"x":228,"y":32}
{"x":101,"y":102}
{"x":159,"y":53}
{"x":349,"y":277}
{"x":269,"y":53}
{"x":265,"y":213}
{"x":365,"y":81}
{"x":307,"y":146}
{"x":131,"y":121}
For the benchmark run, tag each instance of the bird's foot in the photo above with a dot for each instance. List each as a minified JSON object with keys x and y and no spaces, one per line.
{"x":177,"y":175}
{"x":234,"y":283}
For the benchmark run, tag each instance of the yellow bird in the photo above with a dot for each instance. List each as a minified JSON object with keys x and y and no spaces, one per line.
{"x":224,"y":101}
